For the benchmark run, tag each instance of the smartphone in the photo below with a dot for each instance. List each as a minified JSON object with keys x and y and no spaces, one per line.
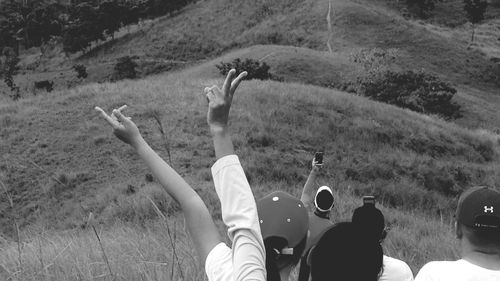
{"x":369,"y":200}
{"x":318,"y":158}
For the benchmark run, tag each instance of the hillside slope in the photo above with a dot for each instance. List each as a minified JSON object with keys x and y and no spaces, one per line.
{"x":56,"y":153}
{"x":302,"y":65}
{"x":59,"y":161}
{"x":207,"y":29}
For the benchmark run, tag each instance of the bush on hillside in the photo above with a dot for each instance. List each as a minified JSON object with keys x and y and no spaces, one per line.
{"x":417,"y":91}
{"x":125,"y":69}
{"x":255,"y":69}
{"x":8,"y":69}
{"x":81,"y":71}
{"x":421,"y":8}
{"x":376,"y":59}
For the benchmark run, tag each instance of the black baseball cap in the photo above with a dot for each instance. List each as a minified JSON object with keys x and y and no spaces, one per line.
{"x":479,"y":208}
{"x":282,"y":215}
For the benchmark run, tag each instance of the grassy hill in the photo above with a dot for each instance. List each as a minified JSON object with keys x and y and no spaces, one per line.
{"x":60,"y":163}
{"x":208,"y":29}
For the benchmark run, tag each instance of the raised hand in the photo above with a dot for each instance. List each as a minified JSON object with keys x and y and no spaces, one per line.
{"x":219,"y":101}
{"x":123,"y":127}
{"x":316,"y":167}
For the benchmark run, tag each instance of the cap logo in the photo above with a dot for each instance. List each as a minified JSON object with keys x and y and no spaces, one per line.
{"x":490,"y":209}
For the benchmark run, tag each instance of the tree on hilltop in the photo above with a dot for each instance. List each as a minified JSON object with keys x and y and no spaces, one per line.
{"x":43,"y":21}
{"x":110,"y":17}
{"x":422,"y":8}
{"x":8,"y":69}
{"x":475,"y":10}
{"x":82,"y":27}
{"x":12,"y":23}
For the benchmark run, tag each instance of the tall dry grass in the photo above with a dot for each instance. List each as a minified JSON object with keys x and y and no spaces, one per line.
{"x":133,"y":254}
{"x":146,"y":253}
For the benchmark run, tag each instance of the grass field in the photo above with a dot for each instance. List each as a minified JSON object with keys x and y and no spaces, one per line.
{"x":60,"y":164}
{"x":415,"y":164}
{"x":126,"y":252}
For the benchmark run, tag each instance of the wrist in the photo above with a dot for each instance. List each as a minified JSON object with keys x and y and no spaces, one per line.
{"x":218,"y":129}
{"x":137,"y":142}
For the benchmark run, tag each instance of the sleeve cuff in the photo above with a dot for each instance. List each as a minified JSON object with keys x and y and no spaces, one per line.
{"x":223,"y":162}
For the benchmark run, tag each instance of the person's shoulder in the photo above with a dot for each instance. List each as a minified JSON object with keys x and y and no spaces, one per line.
{"x":396,"y":269}
{"x":437,"y":268}
{"x":439,"y":265}
{"x":393,"y":262}
{"x":318,"y":225}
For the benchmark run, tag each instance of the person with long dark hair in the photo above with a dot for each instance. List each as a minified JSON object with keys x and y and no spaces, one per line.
{"x":343,"y":253}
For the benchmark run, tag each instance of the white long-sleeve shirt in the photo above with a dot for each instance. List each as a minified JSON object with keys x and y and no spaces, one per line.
{"x":245,"y":260}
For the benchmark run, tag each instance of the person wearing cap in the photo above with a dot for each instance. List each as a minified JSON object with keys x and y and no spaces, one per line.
{"x":477,"y":227}
{"x":319,"y":218}
{"x":272,"y":232}
{"x":284,"y":225}
{"x":245,"y":260}
{"x":371,"y":222}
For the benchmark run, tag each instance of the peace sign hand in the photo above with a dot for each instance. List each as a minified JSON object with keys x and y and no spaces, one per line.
{"x":123,"y":127}
{"x":219,"y":101}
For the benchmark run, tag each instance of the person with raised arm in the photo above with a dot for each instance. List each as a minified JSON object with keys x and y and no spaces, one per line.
{"x":239,"y":212}
{"x":282,"y":217}
{"x":319,"y":218}
{"x":246,"y":258}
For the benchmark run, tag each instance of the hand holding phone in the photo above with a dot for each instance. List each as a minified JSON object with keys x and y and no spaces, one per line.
{"x":318,"y":159}
{"x":369,"y":201}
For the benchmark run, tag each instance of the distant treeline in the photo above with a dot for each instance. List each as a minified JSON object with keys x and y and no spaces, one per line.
{"x":78,"y":23}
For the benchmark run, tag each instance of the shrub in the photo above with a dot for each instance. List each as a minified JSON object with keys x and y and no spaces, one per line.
{"x":376,"y":59}
{"x":417,"y":91}
{"x":125,"y":69}
{"x":8,"y":69}
{"x":255,"y":69}
{"x":44,"y":84}
{"x":81,"y":71}
{"x":421,"y":8}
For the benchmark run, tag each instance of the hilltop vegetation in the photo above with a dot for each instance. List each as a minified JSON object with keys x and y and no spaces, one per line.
{"x":208,"y":29}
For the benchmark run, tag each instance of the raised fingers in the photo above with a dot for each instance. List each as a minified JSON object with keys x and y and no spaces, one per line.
{"x":237,"y":81}
{"x":106,"y":117}
{"x":227,"y":83}
{"x":209,"y":92}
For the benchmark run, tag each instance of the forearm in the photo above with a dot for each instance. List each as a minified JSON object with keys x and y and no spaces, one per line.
{"x":171,"y":181}
{"x":199,"y":222}
{"x":222,"y":141}
{"x":308,"y":191}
